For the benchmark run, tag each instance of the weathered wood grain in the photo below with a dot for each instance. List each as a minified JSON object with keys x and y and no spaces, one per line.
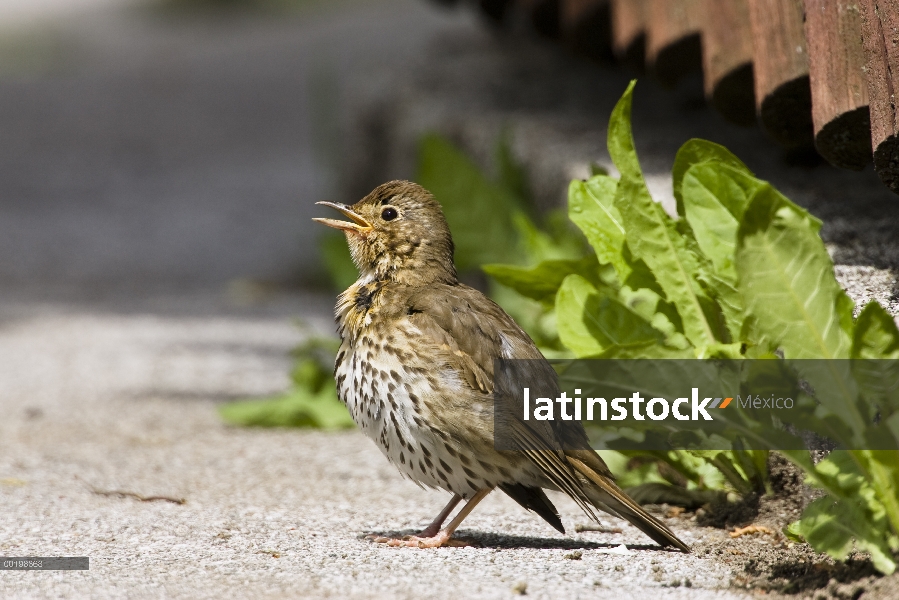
{"x":833,"y":30}
{"x":727,"y":59}
{"x":880,"y":35}
{"x":780,"y":63}
{"x":673,"y":44}
{"x":629,"y":31}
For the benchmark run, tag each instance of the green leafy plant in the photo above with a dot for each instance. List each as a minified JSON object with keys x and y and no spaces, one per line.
{"x":740,"y":273}
{"x":311,"y":400}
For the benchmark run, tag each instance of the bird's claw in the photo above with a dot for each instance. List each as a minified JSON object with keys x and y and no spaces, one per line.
{"x":441,"y":540}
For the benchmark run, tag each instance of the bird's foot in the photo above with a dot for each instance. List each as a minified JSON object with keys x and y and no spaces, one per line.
{"x":440,"y":540}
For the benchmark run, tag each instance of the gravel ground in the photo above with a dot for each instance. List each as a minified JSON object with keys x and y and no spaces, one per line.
{"x":156,"y":180}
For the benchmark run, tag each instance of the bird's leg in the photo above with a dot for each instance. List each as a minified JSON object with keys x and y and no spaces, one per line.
{"x":444,"y":536}
{"x":432,"y":529}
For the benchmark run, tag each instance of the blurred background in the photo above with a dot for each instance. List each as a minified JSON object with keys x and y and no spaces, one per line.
{"x":181,"y":145}
{"x":163,"y":147}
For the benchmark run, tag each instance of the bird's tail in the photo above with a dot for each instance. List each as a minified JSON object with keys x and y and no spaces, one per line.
{"x":605,"y":494}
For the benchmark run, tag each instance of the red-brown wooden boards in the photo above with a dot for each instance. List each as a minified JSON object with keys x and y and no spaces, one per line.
{"x":673,"y":45}
{"x":587,"y":27}
{"x":727,"y":59}
{"x":629,"y":31}
{"x":836,"y":58}
{"x":780,"y":62}
{"x":880,"y":29}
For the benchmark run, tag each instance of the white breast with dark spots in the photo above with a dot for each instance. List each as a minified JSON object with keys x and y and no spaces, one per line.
{"x":390,"y":402}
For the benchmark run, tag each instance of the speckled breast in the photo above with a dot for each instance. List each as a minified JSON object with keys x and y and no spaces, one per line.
{"x":386,"y":400}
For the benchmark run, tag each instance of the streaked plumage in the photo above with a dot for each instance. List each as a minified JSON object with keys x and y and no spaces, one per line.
{"x":415,"y":369}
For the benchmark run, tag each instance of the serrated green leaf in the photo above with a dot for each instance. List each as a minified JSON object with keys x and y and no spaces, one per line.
{"x":590,"y":320}
{"x":642,"y":301}
{"x":573,"y":333}
{"x":876,"y":335}
{"x":645,"y":350}
{"x":652,"y":235}
{"x":542,"y":281}
{"x":875,"y":348}
{"x":646,"y":473}
{"x":533,"y":317}
{"x":822,"y":527}
{"x":652,"y":238}
{"x":791,"y":531}
{"x":839,"y":474}
{"x":591,"y":206}
{"x":882,"y":468}
{"x":830,"y":525}
{"x":699,"y":474}
{"x":863,"y":483}
{"x":728,"y":300}
{"x":694,"y":152}
{"x":715,"y":197}
{"x":845,"y":308}
{"x":786,"y":278}
{"x":538,"y":245}
{"x":649,"y":305}
{"x":738,"y":468}
{"x":620,"y":141}
{"x":665,"y":493}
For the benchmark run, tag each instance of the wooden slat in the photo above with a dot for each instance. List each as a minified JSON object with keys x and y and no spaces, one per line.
{"x":587,"y":27}
{"x":839,"y":87}
{"x":673,"y":45}
{"x":880,"y":34}
{"x":780,"y":62}
{"x":727,"y":59}
{"x":629,"y":31}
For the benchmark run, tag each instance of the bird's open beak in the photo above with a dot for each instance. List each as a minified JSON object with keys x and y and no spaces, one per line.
{"x":359,"y":225}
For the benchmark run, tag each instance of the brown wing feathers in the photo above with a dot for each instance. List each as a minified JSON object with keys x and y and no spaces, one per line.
{"x":457,"y":317}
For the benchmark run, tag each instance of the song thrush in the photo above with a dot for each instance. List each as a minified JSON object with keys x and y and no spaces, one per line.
{"x":415,"y":369}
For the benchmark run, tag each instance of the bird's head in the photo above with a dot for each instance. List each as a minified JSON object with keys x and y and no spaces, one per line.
{"x":398,"y":233}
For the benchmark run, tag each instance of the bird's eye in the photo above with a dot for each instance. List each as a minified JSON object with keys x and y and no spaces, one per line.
{"x":389,"y":214}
